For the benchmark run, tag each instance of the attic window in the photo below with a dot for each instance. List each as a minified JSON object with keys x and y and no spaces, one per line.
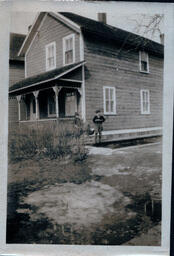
{"x":144,"y":62}
{"x":50,"y":56}
{"x":69,"y":49}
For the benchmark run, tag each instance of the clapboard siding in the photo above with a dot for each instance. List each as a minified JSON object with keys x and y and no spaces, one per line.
{"x":12,"y":110}
{"x":50,"y":31}
{"x":109,"y":65}
{"x":16,"y":73}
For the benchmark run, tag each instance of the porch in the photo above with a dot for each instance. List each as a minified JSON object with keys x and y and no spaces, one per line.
{"x":57,"y":98}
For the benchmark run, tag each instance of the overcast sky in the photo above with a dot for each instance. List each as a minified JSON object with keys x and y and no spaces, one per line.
{"x":21,"y":20}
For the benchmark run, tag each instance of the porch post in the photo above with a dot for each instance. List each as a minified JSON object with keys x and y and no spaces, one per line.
{"x":19,"y":106}
{"x":83,"y":95}
{"x":57,"y":90}
{"x":36,"y":94}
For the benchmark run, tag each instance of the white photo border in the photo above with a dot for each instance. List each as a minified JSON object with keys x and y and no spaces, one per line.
{"x":5,"y":9}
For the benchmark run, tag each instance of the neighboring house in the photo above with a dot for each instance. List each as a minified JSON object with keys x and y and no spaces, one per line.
{"x":73,"y":63}
{"x":16,"y":72}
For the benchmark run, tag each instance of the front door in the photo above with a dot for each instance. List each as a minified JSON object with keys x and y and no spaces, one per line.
{"x":70,"y":104}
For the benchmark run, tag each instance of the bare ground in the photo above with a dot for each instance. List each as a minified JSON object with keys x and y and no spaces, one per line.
{"x":98,"y":202}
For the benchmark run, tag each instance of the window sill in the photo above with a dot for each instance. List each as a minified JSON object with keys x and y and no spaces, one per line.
{"x":144,"y":72}
{"x":68,"y":63}
{"x":66,"y":118}
{"x":110,"y":114}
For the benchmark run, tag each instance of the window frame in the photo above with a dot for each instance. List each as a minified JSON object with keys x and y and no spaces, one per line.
{"x":46,"y":55}
{"x":73,"y":48}
{"x":48,"y":107}
{"x":147,"y":60}
{"x":147,"y":112}
{"x":114,"y":99}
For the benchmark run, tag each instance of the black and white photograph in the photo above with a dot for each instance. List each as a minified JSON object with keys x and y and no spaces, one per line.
{"x":85,"y":127}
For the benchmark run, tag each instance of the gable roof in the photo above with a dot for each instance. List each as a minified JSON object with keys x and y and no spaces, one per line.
{"x":43,"y":78}
{"x":36,"y":26}
{"x":16,"y":41}
{"x":108,"y":32}
{"x":97,"y":29}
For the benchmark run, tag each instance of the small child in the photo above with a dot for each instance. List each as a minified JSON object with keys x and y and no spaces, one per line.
{"x":78,"y":124}
{"x":98,"y":120}
{"x":77,"y":120}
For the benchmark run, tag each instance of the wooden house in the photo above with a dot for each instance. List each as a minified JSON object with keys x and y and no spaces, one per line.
{"x":76,"y":64}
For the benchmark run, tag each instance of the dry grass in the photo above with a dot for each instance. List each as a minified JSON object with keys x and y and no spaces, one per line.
{"x":59,"y":141}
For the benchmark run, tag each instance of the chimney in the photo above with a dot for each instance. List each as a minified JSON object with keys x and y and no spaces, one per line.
{"x":162,"y":38}
{"x":102,"y":17}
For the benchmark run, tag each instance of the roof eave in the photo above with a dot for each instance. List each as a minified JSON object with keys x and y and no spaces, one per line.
{"x":47,"y":80}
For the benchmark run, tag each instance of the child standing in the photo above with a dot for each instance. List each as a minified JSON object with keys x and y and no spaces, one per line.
{"x":98,"y":120}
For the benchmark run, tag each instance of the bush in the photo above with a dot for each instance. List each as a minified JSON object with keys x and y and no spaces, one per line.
{"x":57,"y":141}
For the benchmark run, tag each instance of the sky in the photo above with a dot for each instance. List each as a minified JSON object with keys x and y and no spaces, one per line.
{"x":127,"y":21}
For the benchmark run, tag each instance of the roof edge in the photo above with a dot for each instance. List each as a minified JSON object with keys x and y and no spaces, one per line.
{"x":67,"y":21}
{"x":35,"y":26}
{"x":79,"y":64}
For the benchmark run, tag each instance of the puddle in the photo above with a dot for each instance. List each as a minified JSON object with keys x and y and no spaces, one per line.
{"x":119,"y":217}
{"x":96,"y":212}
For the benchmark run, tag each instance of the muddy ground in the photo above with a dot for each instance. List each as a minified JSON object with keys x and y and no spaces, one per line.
{"x":112,"y":198}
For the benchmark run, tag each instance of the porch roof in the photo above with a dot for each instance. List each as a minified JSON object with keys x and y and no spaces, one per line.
{"x":43,"y":80}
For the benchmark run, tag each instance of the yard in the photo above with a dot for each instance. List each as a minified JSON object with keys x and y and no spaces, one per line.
{"x":111,"y":198}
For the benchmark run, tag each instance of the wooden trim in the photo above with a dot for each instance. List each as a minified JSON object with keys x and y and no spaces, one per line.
{"x":19,"y":53}
{"x":141,"y":99}
{"x":71,"y":80}
{"x":104,"y":100}
{"x":65,"y":20}
{"x":82,"y":51}
{"x":140,"y":68}
{"x":58,"y":16}
{"x":46,"y":56}
{"x":123,"y":131}
{"x":64,"y":50}
{"x":83,"y":95}
{"x":25,"y":66}
{"x":47,"y":119}
{"x":29,"y":47}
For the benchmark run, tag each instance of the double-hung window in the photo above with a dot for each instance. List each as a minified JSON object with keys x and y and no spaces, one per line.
{"x":109,"y":95}
{"x":69,"y":49}
{"x":144,"y":61}
{"x":145,"y":101}
{"x":51,"y":56}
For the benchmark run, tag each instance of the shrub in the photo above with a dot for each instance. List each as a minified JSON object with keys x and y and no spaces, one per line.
{"x":56,"y":141}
